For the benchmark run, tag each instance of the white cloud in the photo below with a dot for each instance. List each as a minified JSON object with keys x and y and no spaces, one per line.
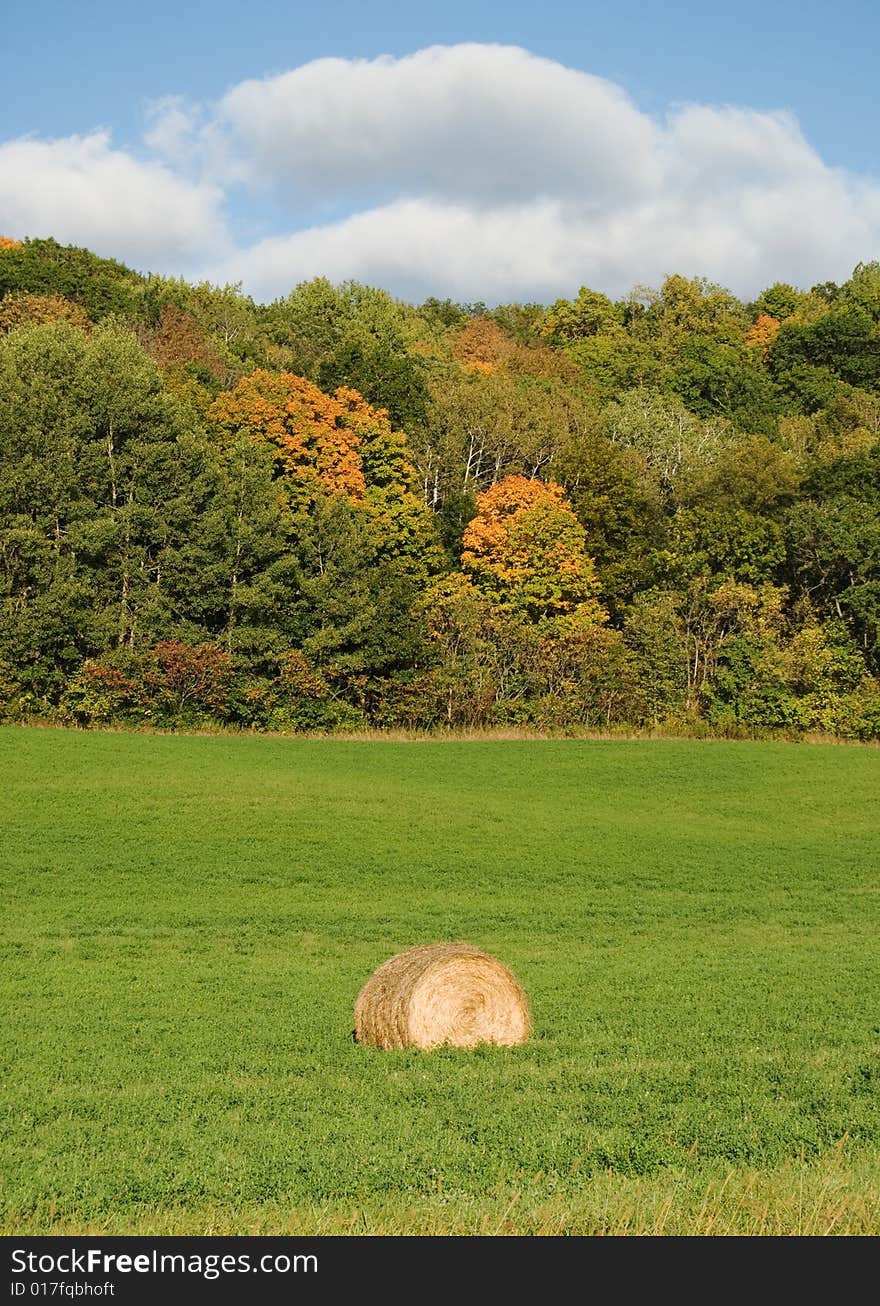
{"x":172,"y":131}
{"x":484,"y":123}
{"x":486,"y":172}
{"x":478,"y":171}
{"x":82,"y":191}
{"x":744,"y":237}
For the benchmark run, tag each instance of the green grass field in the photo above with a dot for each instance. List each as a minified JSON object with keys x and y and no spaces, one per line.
{"x":187,"y":922}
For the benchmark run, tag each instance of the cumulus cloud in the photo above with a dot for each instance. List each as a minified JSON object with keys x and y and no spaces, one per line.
{"x":538,"y":251}
{"x":82,"y":191}
{"x":479,"y":171}
{"x":482,"y":123}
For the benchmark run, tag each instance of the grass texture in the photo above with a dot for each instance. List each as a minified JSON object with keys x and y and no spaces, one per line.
{"x":187,"y":922}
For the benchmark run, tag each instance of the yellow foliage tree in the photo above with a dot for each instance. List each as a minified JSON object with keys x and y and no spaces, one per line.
{"x":526,"y":549}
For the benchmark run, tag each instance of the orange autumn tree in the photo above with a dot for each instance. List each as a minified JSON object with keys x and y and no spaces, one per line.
{"x":762,"y":333}
{"x":313,"y":433}
{"x":482,"y":346}
{"x":7,"y":242}
{"x":23,"y":308}
{"x":525,"y":549}
{"x":384,"y":455}
{"x":335,"y":444}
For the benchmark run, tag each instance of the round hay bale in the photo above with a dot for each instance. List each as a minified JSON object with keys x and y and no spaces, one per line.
{"x":441,"y":995}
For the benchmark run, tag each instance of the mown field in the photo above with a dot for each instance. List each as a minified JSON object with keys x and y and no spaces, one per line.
{"x":187,"y":922}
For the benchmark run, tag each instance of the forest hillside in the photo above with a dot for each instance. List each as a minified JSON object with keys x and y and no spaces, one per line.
{"x":340,"y":510}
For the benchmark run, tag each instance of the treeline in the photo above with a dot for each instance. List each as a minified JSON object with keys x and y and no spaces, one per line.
{"x":339,"y":510}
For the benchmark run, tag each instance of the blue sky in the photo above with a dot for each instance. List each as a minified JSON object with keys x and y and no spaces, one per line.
{"x":627,"y":168}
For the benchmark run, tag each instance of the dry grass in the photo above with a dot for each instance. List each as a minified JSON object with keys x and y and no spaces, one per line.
{"x":674,"y":732}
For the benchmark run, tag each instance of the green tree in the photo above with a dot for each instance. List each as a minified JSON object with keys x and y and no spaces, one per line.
{"x":862,"y":291}
{"x":843,"y":347}
{"x":619,"y":503}
{"x":590,"y":314}
{"x":316,"y":319}
{"x":101,"y":286}
{"x":672,"y":441}
{"x":686,"y":310}
{"x":713,"y":378}
{"x":97,"y":472}
{"x":780,"y":301}
{"x":386,"y":377}
{"x":834,"y":559}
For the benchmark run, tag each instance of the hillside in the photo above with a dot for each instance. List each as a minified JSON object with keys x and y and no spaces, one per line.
{"x":341,"y":510}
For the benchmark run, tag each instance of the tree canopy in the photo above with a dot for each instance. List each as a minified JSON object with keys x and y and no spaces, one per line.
{"x":341,"y":510}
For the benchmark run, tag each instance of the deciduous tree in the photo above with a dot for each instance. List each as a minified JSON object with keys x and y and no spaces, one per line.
{"x":526,"y":549}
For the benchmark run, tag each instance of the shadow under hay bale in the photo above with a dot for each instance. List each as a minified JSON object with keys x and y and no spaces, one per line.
{"x":441,"y":995}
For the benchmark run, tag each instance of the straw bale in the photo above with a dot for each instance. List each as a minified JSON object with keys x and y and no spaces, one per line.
{"x":441,"y":994}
